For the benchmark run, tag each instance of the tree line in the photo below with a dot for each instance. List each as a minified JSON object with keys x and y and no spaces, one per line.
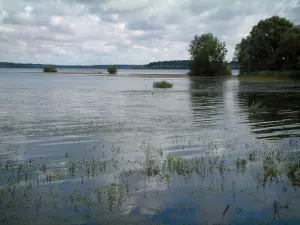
{"x":272,"y":47}
{"x":178,"y":64}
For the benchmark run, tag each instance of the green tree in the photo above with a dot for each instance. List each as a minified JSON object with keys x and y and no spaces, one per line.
{"x":112,"y":70}
{"x":272,"y":45}
{"x":242,"y":54}
{"x":288,"y":51}
{"x":207,"y":56}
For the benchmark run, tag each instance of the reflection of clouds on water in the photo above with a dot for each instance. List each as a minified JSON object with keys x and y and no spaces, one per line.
{"x":119,"y":119}
{"x":272,"y":108}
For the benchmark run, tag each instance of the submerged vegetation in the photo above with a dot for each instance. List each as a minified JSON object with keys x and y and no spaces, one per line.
{"x":50,"y":69}
{"x":39,"y":189}
{"x":162,"y":84}
{"x":293,"y":172}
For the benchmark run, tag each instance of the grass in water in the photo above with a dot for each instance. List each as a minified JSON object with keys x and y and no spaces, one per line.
{"x":293,"y":172}
{"x":162,"y":84}
{"x":241,"y":164}
{"x":50,"y":70}
{"x":200,"y":175}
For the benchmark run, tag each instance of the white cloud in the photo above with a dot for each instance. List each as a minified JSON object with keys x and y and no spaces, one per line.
{"x":119,"y":31}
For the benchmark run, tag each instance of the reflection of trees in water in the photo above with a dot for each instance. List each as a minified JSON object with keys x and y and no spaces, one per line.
{"x":271,"y":106}
{"x":206,"y":96}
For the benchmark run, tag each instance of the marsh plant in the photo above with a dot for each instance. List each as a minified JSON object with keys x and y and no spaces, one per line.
{"x":162,"y":84}
{"x":39,"y":185}
{"x":293,"y":172}
{"x":50,"y":69}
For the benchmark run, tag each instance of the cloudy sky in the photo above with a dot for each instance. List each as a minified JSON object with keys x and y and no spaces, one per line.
{"x":125,"y":31}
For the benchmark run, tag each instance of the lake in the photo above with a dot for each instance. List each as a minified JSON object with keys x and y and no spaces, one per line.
{"x":112,"y":150}
{"x":120,"y":71}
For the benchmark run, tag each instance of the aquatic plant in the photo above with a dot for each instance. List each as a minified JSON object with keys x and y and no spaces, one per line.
{"x":162,"y":84}
{"x":293,"y":173}
{"x":152,"y":169}
{"x":253,"y":156}
{"x":241,"y":164}
{"x":285,"y":205}
{"x":99,"y":191}
{"x":50,"y":69}
{"x":270,"y":172}
{"x":206,"y":173}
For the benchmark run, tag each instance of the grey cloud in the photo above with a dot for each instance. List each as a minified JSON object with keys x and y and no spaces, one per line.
{"x":146,"y":24}
{"x":135,"y":31}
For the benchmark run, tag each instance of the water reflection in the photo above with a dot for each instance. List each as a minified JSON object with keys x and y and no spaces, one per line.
{"x":206,"y":96}
{"x":103,"y":153}
{"x":273,"y":108}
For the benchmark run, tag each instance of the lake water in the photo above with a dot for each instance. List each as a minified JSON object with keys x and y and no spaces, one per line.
{"x":88,"y":70}
{"x":120,"y":71}
{"x":113,"y":150}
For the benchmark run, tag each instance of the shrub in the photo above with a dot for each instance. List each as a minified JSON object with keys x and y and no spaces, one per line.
{"x":162,"y":84}
{"x":50,"y":69}
{"x":112,"y":70}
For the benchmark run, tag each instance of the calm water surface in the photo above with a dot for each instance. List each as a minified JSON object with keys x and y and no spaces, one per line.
{"x":73,"y":150}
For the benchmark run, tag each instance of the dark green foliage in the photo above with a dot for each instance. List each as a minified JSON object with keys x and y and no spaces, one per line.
{"x":272,"y":45}
{"x":50,"y":69}
{"x":178,"y":64}
{"x":162,"y":84}
{"x":208,"y":56}
{"x":173,"y":64}
{"x":112,"y":70}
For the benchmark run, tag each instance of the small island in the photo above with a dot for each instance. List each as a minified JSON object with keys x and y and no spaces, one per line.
{"x":162,"y":84}
{"x":50,"y":69}
{"x":112,"y":70}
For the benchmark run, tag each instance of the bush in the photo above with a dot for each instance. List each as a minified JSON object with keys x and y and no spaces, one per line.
{"x":50,"y":70}
{"x":162,"y":84}
{"x":112,"y":70}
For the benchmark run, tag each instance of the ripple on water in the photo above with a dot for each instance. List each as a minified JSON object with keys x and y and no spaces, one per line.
{"x":57,"y":125}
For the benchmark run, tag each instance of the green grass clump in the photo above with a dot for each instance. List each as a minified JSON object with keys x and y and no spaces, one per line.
{"x":50,"y":69}
{"x":241,"y":164}
{"x":270,"y":172}
{"x":162,"y":84}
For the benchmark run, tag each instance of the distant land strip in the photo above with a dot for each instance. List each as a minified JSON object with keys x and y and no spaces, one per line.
{"x":171,"y":65}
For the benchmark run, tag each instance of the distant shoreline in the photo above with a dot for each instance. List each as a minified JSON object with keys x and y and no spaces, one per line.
{"x":109,"y":75}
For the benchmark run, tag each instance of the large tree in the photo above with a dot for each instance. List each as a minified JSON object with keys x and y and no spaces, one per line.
{"x":288,"y":52}
{"x":207,"y":56}
{"x":272,"y":45}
